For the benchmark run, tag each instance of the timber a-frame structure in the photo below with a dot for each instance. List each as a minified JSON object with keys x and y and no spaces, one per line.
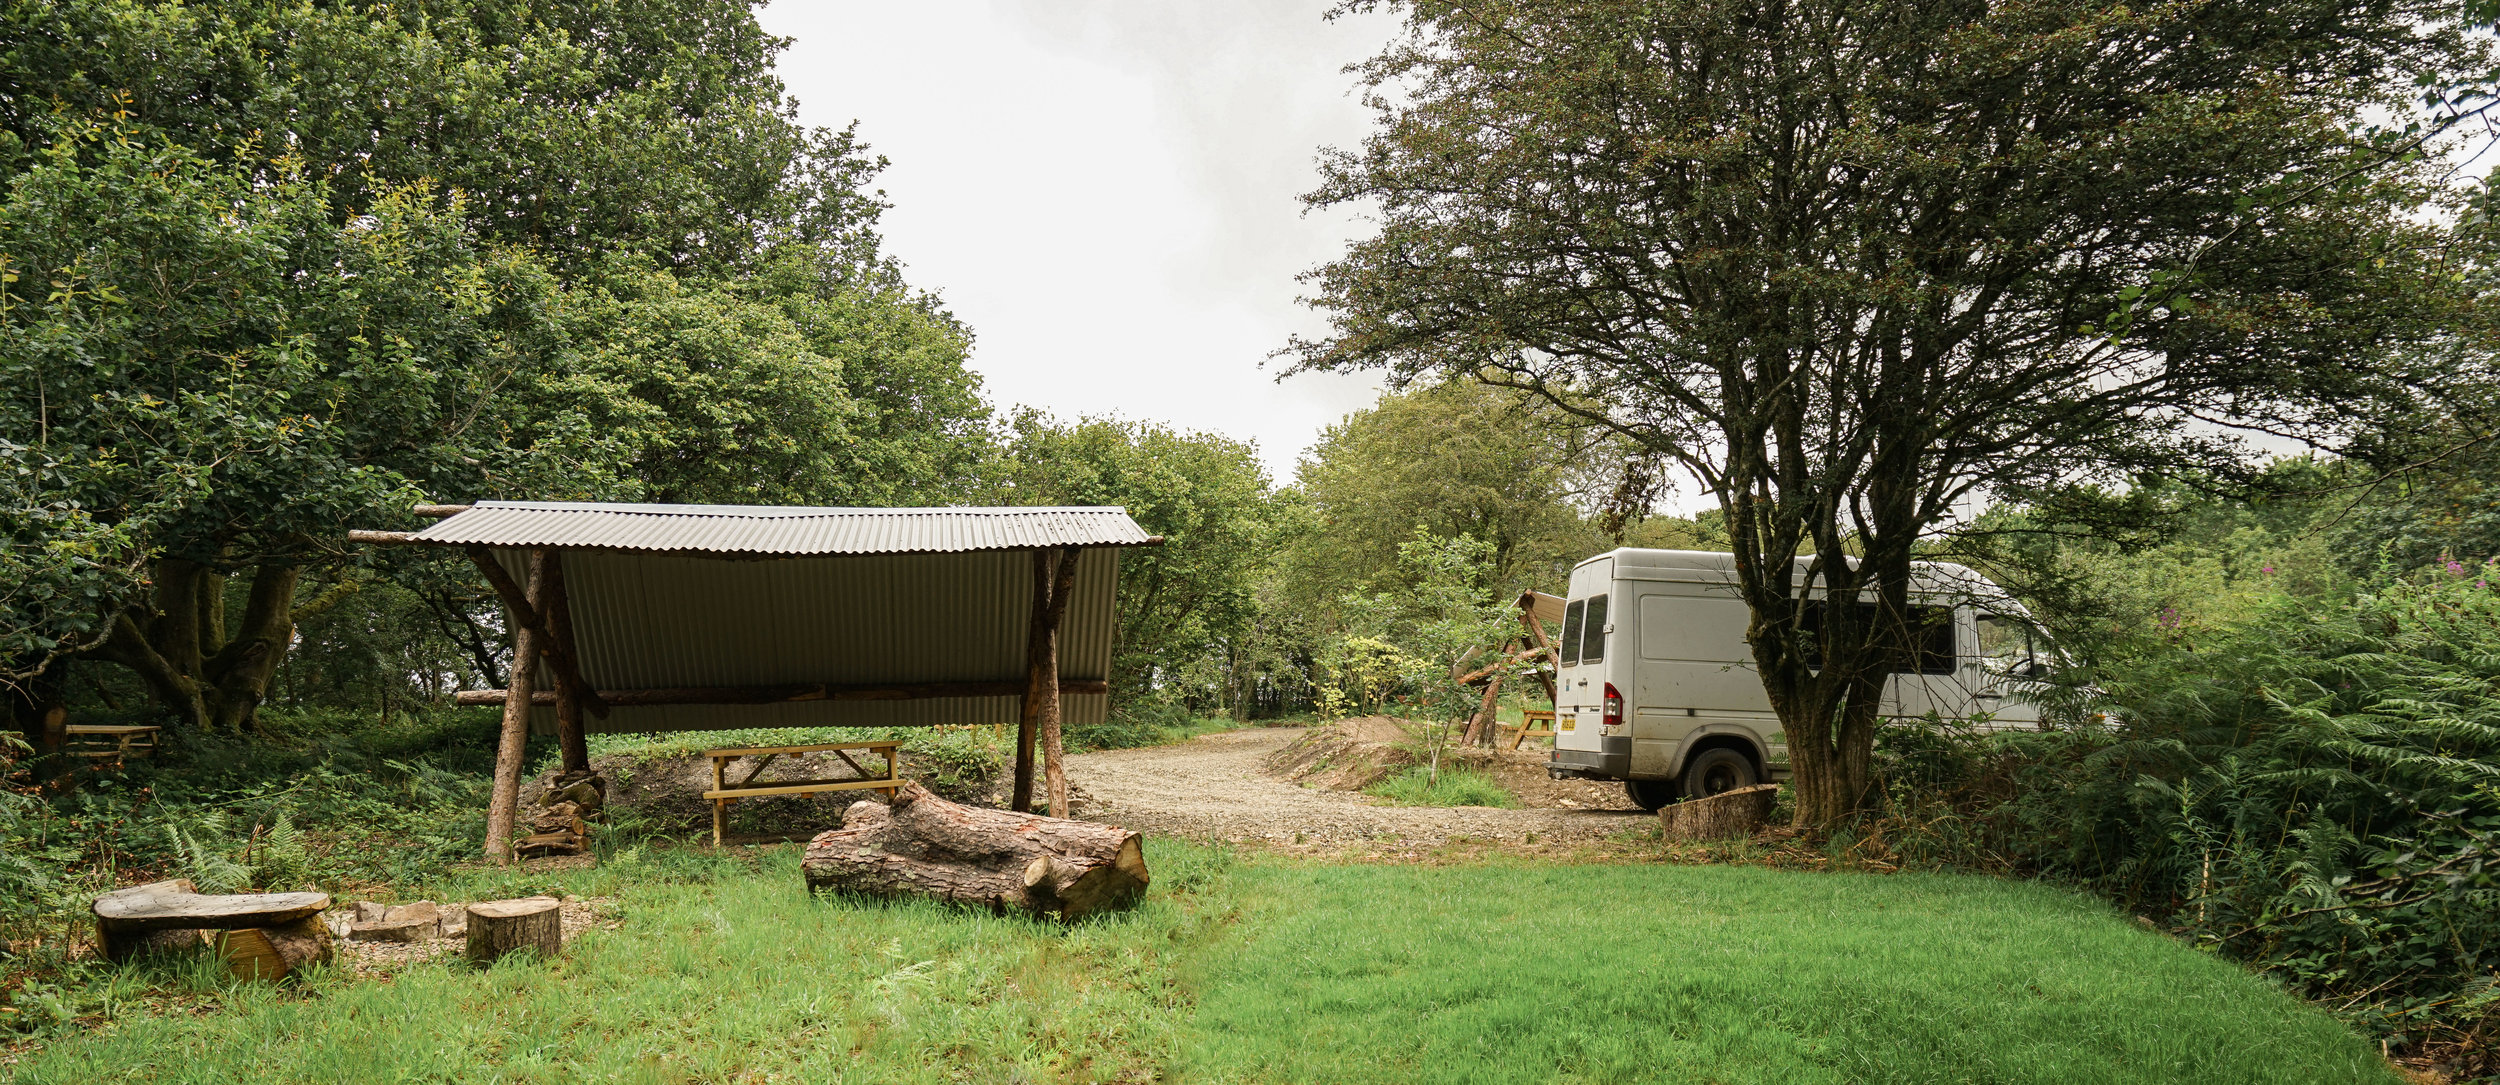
{"x":635,"y":618}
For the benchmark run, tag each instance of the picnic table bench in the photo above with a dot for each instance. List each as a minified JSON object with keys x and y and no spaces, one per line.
{"x":122,"y":740}
{"x":723,"y":792}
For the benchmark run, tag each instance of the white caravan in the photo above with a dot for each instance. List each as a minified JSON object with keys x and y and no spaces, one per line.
{"x":1657,"y":688}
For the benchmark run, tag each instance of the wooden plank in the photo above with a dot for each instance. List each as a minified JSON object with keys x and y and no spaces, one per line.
{"x":112,"y":729}
{"x":171,"y":906}
{"x":750,"y":751}
{"x":760,"y":764}
{"x":804,"y":787}
{"x":808,"y":691}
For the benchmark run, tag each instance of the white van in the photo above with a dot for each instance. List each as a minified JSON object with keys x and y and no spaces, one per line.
{"x":1656,"y":687}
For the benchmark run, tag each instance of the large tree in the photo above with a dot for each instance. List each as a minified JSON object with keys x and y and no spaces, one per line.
{"x":1855,"y":264}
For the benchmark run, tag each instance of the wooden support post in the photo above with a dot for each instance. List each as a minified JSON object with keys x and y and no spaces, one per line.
{"x":516,"y":723}
{"x":1036,"y":634}
{"x":1480,"y":730}
{"x":569,"y":736}
{"x":1545,"y":671}
{"x":525,"y":612}
{"x":1052,"y":748}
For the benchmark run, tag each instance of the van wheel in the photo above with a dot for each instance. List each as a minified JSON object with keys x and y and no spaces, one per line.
{"x":1714,"y":771}
{"x":1650,"y":794}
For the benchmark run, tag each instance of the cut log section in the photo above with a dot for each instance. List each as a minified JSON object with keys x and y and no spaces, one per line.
{"x":1727,"y":815}
{"x":499,"y":927}
{"x":926,"y":846}
{"x":268,"y":953}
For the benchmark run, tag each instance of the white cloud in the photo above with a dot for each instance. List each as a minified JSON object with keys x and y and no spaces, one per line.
{"x":1106,"y":191}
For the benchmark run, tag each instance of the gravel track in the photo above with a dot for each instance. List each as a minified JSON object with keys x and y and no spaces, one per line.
{"x":1214,"y":788}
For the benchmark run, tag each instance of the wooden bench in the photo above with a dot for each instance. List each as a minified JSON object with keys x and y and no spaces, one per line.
{"x":266,"y":935}
{"x":103,"y":740}
{"x":723,"y":792}
{"x":1529,"y":718}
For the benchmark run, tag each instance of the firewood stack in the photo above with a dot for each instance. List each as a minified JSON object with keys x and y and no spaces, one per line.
{"x":561,"y":823}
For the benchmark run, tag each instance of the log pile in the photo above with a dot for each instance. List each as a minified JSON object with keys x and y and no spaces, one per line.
{"x":1727,"y":815}
{"x":561,"y":823}
{"x":925,"y":846}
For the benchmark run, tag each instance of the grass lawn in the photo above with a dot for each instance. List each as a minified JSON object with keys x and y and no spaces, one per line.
{"x":1274,"y":970}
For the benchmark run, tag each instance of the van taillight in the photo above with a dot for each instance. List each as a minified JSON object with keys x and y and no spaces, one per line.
{"x":1614,"y":706}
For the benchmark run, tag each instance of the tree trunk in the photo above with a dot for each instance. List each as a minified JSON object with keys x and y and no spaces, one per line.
{"x":268,"y":953}
{"x":570,"y":738}
{"x":1053,"y":747}
{"x":241,"y":668}
{"x":926,"y":846}
{"x":499,"y":927}
{"x":514,"y":744}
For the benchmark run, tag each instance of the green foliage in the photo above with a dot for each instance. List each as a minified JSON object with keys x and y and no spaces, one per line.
{"x":1187,"y":606}
{"x":1419,"y":785}
{"x":2313,"y":787}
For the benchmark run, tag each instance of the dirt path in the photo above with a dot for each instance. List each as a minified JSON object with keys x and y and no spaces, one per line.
{"x":1213,"y":788}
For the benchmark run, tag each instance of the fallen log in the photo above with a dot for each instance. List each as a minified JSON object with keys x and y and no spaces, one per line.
{"x":269,"y":934}
{"x":1725,"y":816}
{"x":925,"y":846}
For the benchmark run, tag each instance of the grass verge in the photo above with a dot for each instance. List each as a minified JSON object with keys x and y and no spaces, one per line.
{"x":1272,"y":970}
{"x":1414,"y":786}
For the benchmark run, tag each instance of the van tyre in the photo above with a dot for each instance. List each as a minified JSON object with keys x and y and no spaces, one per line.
{"x":1650,"y":794}
{"x":1718,"y":770}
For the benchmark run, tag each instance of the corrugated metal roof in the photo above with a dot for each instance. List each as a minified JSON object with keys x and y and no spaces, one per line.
{"x":782,"y":530}
{"x":662,"y":620}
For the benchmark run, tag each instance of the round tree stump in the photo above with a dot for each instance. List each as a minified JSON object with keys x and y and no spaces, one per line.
{"x":498,"y":927}
{"x":1725,"y":816}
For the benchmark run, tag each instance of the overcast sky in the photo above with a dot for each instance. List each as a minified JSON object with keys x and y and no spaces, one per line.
{"x":1106,"y":191}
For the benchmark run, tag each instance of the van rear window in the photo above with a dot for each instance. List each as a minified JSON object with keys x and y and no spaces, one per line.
{"x":1593,"y":634}
{"x":1570,"y":646}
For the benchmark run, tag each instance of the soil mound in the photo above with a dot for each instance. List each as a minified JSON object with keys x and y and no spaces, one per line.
{"x":1354,"y":754}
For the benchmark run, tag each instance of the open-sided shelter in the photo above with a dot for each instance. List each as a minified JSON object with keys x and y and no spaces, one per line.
{"x":708,"y":617}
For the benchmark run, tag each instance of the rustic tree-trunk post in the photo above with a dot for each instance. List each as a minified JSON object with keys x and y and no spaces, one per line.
{"x":1036,"y":633}
{"x":516,"y":723}
{"x":498,"y":927}
{"x":559,"y":613}
{"x":1052,"y":747}
{"x":1481,"y":729}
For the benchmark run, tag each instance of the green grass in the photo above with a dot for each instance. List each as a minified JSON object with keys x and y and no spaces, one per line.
{"x":1414,"y":786}
{"x":1277,"y":970}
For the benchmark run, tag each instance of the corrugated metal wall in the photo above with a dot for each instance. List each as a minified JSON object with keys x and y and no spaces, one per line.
{"x":647,"y":621}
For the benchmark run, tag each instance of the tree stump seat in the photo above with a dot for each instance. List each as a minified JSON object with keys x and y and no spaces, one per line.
{"x":1728,"y":815}
{"x":271,"y":933}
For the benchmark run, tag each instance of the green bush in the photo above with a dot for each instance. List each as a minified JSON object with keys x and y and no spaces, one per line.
{"x":2314,"y":790}
{"x":1415,"y":786}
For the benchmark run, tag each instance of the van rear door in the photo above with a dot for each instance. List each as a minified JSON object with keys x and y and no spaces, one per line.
{"x":1580,"y":675}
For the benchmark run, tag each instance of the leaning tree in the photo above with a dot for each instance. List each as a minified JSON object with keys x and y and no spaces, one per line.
{"x":1857,"y":264}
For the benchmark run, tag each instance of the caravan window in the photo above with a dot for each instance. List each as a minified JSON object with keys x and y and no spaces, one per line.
{"x":1570,"y":646}
{"x":1593,"y":634}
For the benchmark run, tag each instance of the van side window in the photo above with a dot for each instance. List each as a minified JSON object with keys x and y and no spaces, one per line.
{"x":1930,"y":637}
{"x":1593,"y":634}
{"x":1570,"y":645}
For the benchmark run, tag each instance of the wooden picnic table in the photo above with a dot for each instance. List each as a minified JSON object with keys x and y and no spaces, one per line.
{"x":122,"y":740}
{"x":723,"y":792}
